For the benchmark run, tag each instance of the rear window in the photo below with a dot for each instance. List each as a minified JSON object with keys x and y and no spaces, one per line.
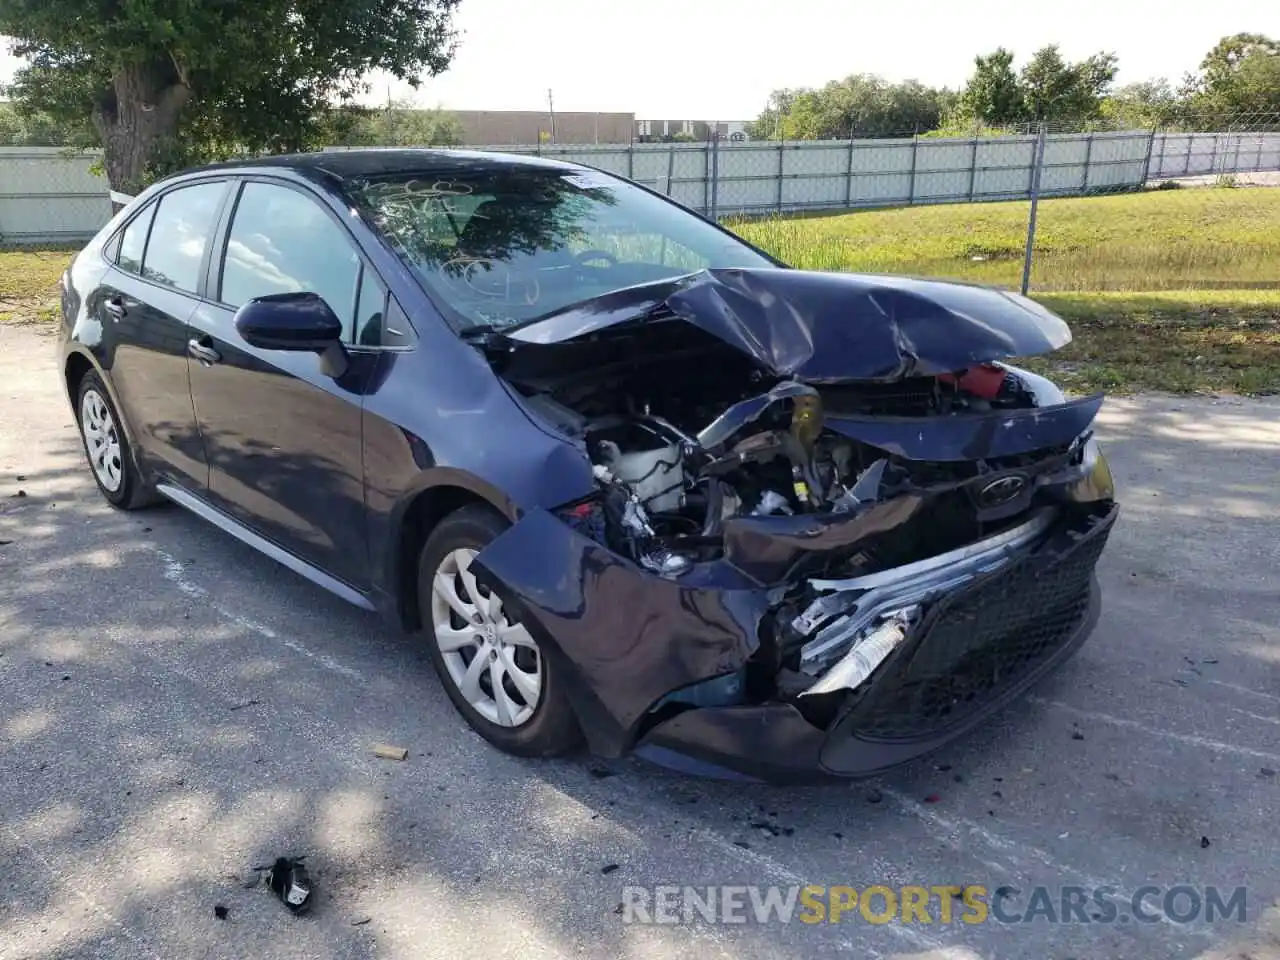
{"x":184,"y":221}
{"x":133,"y":241}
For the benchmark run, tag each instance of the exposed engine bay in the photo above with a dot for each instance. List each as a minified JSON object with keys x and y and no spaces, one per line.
{"x":685,"y":439}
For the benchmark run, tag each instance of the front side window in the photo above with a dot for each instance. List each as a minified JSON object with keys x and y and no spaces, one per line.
{"x":508,"y":244}
{"x":133,"y":241}
{"x":283,"y":241}
{"x":370,"y":310}
{"x":184,"y":220}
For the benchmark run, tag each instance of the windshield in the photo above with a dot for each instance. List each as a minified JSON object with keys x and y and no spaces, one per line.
{"x":507,"y":245}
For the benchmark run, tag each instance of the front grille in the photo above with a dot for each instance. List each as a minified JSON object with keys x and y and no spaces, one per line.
{"x":979,"y":641}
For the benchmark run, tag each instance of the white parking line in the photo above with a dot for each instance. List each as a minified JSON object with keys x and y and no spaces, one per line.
{"x":176,"y":574}
{"x":1012,"y":848}
{"x":782,"y":874}
{"x":1217,"y":746}
{"x":1254,"y":716}
{"x":1253,"y":693}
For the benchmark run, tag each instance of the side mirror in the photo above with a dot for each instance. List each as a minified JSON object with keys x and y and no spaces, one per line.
{"x":289,"y":321}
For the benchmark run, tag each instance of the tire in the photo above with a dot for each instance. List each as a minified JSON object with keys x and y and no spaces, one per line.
{"x":107,"y":448}
{"x":467,"y":624}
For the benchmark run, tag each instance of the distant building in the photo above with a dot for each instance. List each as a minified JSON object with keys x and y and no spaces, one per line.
{"x":511,"y":127}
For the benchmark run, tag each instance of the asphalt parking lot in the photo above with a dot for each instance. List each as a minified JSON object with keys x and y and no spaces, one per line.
{"x":176,"y":709}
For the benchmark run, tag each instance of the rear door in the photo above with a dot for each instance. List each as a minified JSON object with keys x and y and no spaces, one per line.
{"x":283,"y":437}
{"x":143,"y":302}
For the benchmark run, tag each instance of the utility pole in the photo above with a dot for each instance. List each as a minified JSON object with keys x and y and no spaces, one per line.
{"x":551,"y":109}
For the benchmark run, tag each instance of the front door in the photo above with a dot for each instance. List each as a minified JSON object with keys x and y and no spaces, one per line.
{"x":283,"y":437}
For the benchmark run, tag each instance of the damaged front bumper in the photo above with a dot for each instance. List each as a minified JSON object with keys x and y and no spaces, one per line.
{"x":671,"y":668}
{"x":981,"y":643}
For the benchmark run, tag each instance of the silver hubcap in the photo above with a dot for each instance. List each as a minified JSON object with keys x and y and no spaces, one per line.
{"x":491,"y":658}
{"x":101,"y":440}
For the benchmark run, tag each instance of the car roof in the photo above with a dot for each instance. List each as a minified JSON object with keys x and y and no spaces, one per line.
{"x":350,"y":164}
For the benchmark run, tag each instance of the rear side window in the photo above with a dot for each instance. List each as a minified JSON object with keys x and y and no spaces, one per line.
{"x":282,"y":241}
{"x":180,"y":234}
{"x":133,"y":241}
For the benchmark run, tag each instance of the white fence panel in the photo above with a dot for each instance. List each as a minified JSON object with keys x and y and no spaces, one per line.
{"x":941,"y":170}
{"x":48,"y":195}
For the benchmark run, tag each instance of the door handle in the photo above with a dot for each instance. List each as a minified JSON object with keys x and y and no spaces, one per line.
{"x":203,"y":352}
{"x":115,"y":307}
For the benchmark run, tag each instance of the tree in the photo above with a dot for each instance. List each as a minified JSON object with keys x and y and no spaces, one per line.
{"x":861,"y":105}
{"x":1056,"y":90}
{"x":1142,"y":106}
{"x":31,"y":128}
{"x":403,"y":125}
{"x":1240,"y":75}
{"x":994,"y":94}
{"x":162,"y":81}
{"x":1222,"y":65}
{"x":768,"y":126}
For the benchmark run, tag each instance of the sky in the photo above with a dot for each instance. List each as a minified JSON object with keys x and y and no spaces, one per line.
{"x":719,"y":59}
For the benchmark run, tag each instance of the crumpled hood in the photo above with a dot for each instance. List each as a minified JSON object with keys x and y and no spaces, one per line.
{"x":829,"y":327}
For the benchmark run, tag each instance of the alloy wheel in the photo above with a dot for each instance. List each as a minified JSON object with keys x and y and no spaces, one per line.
{"x":101,"y":440}
{"x":490,"y":656}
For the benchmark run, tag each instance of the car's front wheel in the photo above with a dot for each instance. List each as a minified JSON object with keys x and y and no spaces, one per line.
{"x":496,"y":673}
{"x":107,"y":447}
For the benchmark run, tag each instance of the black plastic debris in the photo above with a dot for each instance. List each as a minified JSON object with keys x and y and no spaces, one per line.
{"x":288,"y":880}
{"x":220,"y":911}
{"x":1077,"y":735}
{"x":874,"y":795}
{"x":1204,"y":842}
{"x":1266,"y":772}
{"x":608,"y":868}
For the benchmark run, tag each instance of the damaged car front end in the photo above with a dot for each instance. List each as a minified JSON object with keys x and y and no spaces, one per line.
{"x":830,"y":528}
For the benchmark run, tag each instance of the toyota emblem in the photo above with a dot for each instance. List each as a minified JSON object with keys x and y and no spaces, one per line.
{"x":1001,"y":491}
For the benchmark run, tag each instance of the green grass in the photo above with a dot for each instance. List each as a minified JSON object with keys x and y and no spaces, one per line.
{"x":28,"y":284}
{"x":1180,"y":341}
{"x":1158,"y":240}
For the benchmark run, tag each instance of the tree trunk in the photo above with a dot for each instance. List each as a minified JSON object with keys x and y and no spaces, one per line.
{"x":136,"y":117}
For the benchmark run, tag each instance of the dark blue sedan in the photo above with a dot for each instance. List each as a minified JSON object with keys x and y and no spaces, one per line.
{"x":632,"y":480}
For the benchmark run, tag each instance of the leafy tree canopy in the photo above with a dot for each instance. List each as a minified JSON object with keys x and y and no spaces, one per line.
{"x":164,"y":83}
{"x":861,"y":105}
{"x":1238,"y":77}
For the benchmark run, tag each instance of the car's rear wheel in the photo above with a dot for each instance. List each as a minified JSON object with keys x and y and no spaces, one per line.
{"x":494,"y":669}
{"x":107,"y":447}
